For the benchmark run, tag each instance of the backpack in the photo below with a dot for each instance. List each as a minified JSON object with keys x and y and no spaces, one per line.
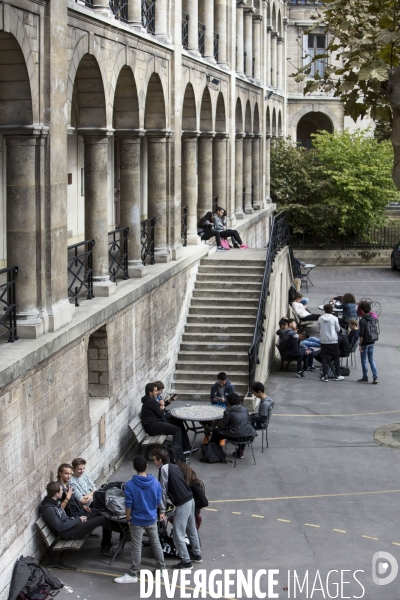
{"x":175,"y":452}
{"x":371,"y":334}
{"x":40,"y":593}
{"x":284,"y":342}
{"x":212,"y":453}
{"x":99,"y":497}
{"x":115,"y":502}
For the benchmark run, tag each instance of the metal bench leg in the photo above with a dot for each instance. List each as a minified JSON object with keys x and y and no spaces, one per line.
{"x":252,"y":451}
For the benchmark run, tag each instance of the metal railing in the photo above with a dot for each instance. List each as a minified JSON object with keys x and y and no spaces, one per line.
{"x":147,"y":240}
{"x":120,"y":9}
{"x":185,"y":30}
{"x":216,"y":42}
{"x":118,"y":253}
{"x":380,"y":237}
{"x":149,"y":15}
{"x":279,"y":238}
{"x":201,"y":30}
{"x":8,"y":316}
{"x":80,"y":271}
{"x":185,"y":210}
{"x":214,"y":203}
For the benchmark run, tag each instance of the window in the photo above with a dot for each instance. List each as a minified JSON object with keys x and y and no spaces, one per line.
{"x":315,"y":44}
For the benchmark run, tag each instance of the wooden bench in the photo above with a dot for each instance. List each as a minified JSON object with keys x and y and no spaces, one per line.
{"x":55,"y":544}
{"x":144,"y":439}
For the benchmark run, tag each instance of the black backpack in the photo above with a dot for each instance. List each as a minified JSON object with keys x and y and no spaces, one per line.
{"x":371,"y":334}
{"x":212,"y":453}
{"x":175,"y":452}
{"x":99,"y":497}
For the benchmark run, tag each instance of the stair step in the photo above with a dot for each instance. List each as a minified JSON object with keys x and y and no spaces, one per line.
{"x":235,"y":319}
{"x":235,"y":286}
{"x":202,"y":397}
{"x":215,"y":293}
{"x":198,"y":309}
{"x":198,"y":386}
{"x":229,"y":269}
{"x":216,"y":346}
{"x":229,"y":328}
{"x":209,"y":376}
{"x":221,"y":263}
{"x":205,"y":367}
{"x":218,"y":338}
{"x":228,"y":300}
{"x":223,"y":277}
{"x":217,"y":357}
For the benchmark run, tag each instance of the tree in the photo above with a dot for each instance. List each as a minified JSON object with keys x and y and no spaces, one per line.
{"x":364,"y":36}
{"x":341,"y":187}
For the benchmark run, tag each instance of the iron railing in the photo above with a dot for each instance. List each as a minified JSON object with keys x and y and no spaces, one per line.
{"x":8,"y":317}
{"x":118,"y":253}
{"x":80,"y":271}
{"x":185,"y":30}
{"x":279,"y":238}
{"x":216,"y":42}
{"x":184,"y":214}
{"x":147,"y":240}
{"x":201,"y":30}
{"x":214,"y":204}
{"x":120,"y":9}
{"x":149,"y":15}
{"x":380,"y":237}
{"x":244,"y":199}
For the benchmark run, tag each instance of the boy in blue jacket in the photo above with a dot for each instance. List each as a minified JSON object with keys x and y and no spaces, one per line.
{"x":142,"y":497}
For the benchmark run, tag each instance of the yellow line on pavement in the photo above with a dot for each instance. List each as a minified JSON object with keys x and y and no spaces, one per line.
{"x":339,"y":530}
{"x":311,"y":525}
{"x":368,"y":537}
{"x":284,"y":521}
{"x":236,"y":513}
{"x":386,"y":412}
{"x":302,"y":497}
{"x":395,"y":544}
{"x":212,"y":509}
{"x":258,"y":516}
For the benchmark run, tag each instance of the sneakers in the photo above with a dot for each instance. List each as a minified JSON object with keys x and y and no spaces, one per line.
{"x":238,"y":454}
{"x":324,"y":379}
{"x":244,"y":247}
{"x":375,"y":380}
{"x":183,"y":565}
{"x":196,"y":558}
{"x":126,"y":579}
{"x":362,"y":380}
{"x":311,"y":369}
{"x":300,"y":374}
{"x":339,"y":378}
{"x":109,"y":551}
{"x":221,"y":249}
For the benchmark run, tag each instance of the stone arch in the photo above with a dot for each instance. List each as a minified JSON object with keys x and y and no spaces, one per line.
{"x":256,"y":120}
{"x":88,"y":98}
{"x":273,"y":122}
{"x":248,"y":127}
{"x":268,"y":122}
{"x":220,"y":116}
{"x":280,"y":130}
{"x":238,"y":117}
{"x":315,"y":107}
{"x":206,"y":111}
{"x":28,"y":71}
{"x":273,"y":18}
{"x":309,"y":124}
{"x":126,"y":104}
{"x":15,"y":96}
{"x":82,"y":48}
{"x":154,"y":114}
{"x":189,"y":113}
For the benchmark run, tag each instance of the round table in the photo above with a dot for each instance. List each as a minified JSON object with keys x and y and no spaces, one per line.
{"x":337,"y":310}
{"x":197,"y":412}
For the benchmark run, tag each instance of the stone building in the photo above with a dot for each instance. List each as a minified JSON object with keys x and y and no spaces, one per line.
{"x":113,"y":114}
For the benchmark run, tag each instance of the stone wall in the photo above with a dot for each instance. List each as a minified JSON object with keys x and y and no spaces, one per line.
{"x":352,"y":258}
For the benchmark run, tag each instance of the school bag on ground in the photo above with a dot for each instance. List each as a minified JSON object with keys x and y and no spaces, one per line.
{"x":175,"y":452}
{"x":212,"y":453}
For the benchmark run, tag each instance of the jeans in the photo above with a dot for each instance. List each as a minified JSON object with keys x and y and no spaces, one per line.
{"x":368,"y":353}
{"x":184,"y":523}
{"x":302,"y":358}
{"x":311,"y":342}
{"x":92,"y":522}
{"x":137,"y":532}
{"x":209,"y":234}
{"x":170,"y":427}
{"x":304,"y":301}
{"x":232,"y":233}
{"x":328,"y":350}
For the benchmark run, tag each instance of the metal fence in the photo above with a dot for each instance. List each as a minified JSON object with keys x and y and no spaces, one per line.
{"x":8,"y":316}
{"x":80,"y":271}
{"x":381,"y":237}
{"x":147,"y":240}
{"x":185,"y":30}
{"x":120,"y":9}
{"x":149,"y":15}
{"x":118,"y":253}
{"x":185,"y":210}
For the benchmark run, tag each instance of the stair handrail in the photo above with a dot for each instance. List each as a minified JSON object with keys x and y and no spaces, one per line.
{"x":279,"y":237}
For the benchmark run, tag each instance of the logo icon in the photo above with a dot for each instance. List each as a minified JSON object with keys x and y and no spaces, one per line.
{"x":384,"y":564}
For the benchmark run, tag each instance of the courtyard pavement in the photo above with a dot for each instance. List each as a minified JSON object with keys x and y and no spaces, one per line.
{"x":324,"y":496}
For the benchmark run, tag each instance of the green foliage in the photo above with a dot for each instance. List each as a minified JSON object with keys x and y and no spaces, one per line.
{"x":340,"y":187}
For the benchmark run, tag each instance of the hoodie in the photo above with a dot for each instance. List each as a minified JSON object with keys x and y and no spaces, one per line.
{"x":329,"y":327}
{"x":142,"y":496}
{"x":56,"y":517}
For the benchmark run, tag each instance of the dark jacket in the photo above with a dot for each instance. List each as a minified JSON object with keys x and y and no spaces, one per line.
{"x":173,"y":486}
{"x":151,"y":412}
{"x":344,"y":344}
{"x":56,"y":517}
{"x":289,"y":343}
{"x":235,"y":422}
{"x":363,"y":329}
{"x":199,"y":495}
{"x":353,"y":337}
{"x":349,"y":310}
{"x":28,"y":575}
{"x":229,"y":389}
{"x":74,"y":507}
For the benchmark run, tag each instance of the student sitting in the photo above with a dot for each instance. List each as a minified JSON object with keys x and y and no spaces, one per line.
{"x":220,"y":390}
{"x":265,"y":407}
{"x":220,"y":225}
{"x":289,"y":347}
{"x":353,"y":334}
{"x":81,"y":483}
{"x":349,"y":307}
{"x":205,"y":229}
{"x":301,"y":311}
{"x":235,"y":424}
{"x":283,"y":325}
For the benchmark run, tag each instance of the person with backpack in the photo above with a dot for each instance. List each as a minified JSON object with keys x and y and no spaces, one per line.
{"x":368,"y":336}
{"x":142,"y":496}
{"x":174,"y":486}
{"x":264,"y":408}
{"x":198,"y":489}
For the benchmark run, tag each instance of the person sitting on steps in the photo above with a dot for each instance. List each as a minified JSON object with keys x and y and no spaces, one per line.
{"x":220,"y":225}
{"x":205,"y":229}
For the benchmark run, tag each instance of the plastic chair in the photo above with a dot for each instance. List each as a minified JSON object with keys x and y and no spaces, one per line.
{"x":248,"y":440}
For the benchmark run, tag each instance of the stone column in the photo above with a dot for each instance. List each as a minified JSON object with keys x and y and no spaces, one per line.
{"x":220,"y":9}
{"x":157,"y":193}
{"x":22,"y":230}
{"x":208,"y":20}
{"x":129,"y":148}
{"x":239,"y":39}
{"x":274,"y":44}
{"x":255,"y":172}
{"x":279,"y":66}
{"x":96,"y":210}
{"x":102,"y":6}
{"x":268,"y":168}
{"x":220,"y":169}
{"x":239,"y":213}
{"x":189,"y":184}
{"x":205,"y":173}
{"x":135,"y":13}
{"x":248,"y":42}
{"x":268,"y":56}
{"x":257,"y":19}
{"x":193,"y":33}
{"x":161,"y":29}
{"x":247,"y":172}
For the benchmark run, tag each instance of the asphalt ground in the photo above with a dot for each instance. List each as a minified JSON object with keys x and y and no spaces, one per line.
{"x":324,"y":498}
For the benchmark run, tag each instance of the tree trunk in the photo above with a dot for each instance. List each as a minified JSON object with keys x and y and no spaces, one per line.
{"x":393,"y":93}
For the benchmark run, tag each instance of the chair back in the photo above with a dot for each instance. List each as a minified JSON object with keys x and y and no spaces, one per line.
{"x":376,"y":307}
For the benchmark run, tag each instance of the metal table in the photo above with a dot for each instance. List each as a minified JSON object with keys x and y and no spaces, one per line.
{"x":195,"y":413}
{"x":306,"y":270}
{"x":336,"y":310}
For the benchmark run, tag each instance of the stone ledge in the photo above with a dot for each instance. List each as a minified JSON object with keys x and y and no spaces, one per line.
{"x":18,"y":358}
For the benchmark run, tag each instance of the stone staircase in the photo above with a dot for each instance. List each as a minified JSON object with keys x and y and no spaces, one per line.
{"x":220,"y":326}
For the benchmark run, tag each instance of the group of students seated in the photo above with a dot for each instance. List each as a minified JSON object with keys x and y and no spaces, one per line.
{"x":216,"y":225}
